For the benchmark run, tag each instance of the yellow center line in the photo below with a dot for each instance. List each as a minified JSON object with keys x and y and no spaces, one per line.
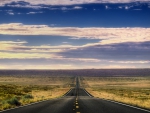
{"x":77,"y":106}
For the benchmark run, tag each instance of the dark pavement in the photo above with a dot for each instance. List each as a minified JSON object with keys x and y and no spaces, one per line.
{"x":76,"y":101}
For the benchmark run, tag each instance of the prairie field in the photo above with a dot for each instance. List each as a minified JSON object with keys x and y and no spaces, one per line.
{"x":20,"y":90}
{"x":131,"y":90}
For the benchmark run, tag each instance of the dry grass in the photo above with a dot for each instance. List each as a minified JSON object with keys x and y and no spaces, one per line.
{"x":35,"y":80}
{"x":16,"y":90}
{"x":130,"y":90}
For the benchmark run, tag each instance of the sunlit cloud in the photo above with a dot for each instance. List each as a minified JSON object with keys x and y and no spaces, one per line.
{"x":69,"y":2}
{"x":17,"y":50}
{"x":81,"y":59}
{"x":106,"y":35}
{"x":48,"y":56}
{"x":131,"y":62}
{"x":7,"y":45}
{"x":10,"y":55}
{"x":32,"y":66}
{"x":20,"y":46}
{"x":62,"y":66}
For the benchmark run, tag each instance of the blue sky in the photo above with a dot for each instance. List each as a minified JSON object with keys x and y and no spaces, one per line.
{"x":74,"y":34}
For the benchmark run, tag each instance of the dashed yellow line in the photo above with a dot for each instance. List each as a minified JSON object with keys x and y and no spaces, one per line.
{"x":77,"y":106}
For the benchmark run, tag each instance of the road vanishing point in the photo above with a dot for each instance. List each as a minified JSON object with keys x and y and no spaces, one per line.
{"x":77,"y":100}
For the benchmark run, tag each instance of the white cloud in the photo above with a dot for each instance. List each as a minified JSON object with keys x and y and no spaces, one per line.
{"x":131,"y":62}
{"x":40,"y":66}
{"x":18,"y":50}
{"x":69,"y":2}
{"x":106,"y":35}
{"x":19,"y":46}
{"x":77,"y":7}
{"x":126,"y":7}
{"x":107,"y":7}
{"x":4,"y":55}
{"x":66,"y":8}
{"x":12,"y":42}
{"x":34,"y":12}
{"x":28,"y":6}
{"x":10,"y":13}
{"x":129,"y":6}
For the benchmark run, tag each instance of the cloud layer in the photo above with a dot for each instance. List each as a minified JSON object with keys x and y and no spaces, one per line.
{"x":69,"y":2}
{"x":105,"y":35}
{"x":16,"y":54}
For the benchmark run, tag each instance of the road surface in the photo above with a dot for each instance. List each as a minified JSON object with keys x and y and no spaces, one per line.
{"x":77,"y":100}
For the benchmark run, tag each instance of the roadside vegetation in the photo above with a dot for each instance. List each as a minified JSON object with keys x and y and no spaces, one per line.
{"x":18,"y":91}
{"x":130,"y":90}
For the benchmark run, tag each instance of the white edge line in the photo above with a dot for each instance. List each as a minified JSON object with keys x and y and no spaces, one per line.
{"x":26,"y":105}
{"x":87,"y":93}
{"x":67,"y":93}
{"x":126,"y":105}
{"x":33,"y":103}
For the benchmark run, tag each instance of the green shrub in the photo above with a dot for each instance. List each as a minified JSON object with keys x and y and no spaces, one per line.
{"x":28,"y":96}
{"x":13,"y":101}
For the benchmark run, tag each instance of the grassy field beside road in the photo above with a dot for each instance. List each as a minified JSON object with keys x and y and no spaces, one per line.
{"x":20,"y":90}
{"x":131,"y":90}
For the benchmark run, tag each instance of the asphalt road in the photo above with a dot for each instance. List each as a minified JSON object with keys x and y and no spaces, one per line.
{"x":77,"y":100}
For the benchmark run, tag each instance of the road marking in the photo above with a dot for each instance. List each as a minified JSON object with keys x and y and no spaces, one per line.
{"x":77,"y":112}
{"x":87,"y":93}
{"x":127,"y":105}
{"x":34,"y":103}
{"x":68,"y":92}
{"x":77,"y":106}
{"x":76,"y":103}
{"x":27,"y":105}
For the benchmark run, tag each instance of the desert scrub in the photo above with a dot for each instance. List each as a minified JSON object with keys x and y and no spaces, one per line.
{"x":9,"y":103}
{"x":28,"y":96}
{"x":130,"y":90}
{"x":136,"y":97}
{"x":16,"y":95}
{"x":13,"y":101}
{"x":32,"y":88}
{"x":26,"y":99}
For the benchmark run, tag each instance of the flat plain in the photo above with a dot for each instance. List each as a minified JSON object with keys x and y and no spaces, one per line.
{"x":21,"y":87}
{"x":130,"y":90}
{"x":21,"y":90}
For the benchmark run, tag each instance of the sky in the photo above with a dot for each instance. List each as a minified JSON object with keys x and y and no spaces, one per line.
{"x":74,"y":34}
